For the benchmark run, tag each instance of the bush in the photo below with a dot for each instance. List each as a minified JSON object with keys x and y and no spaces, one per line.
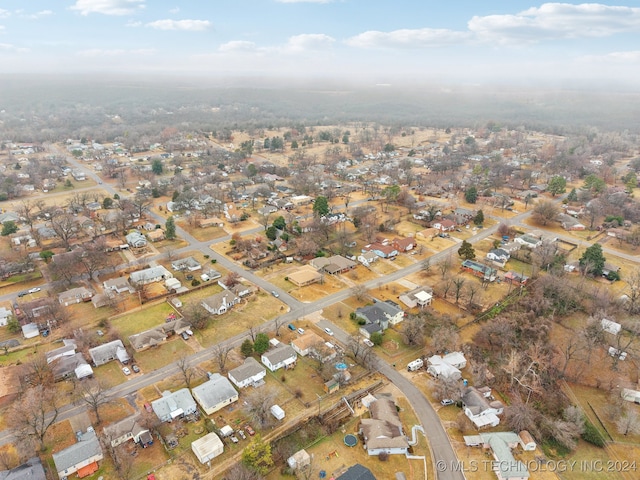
{"x":209,"y":425}
{"x":383,"y":456}
{"x":213,"y":260}
{"x":361,"y":321}
{"x":207,"y":256}
{"x":195,"y":283}
{"x":592,"y":435}
{"x":352,"y":315}
{"x":286,"y":279}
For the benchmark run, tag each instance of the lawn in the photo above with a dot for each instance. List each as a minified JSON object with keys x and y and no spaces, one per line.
{"x":141,"y":320}
{"x":205,"y":234}
{"x":22,"y":278}
{"x":168,"y":352}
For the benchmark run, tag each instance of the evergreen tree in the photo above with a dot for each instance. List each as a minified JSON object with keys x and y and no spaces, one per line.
{"x":170,"y":228}
{"x":471,"y":194}
{"x":593,"y":260}
{"x":8,"y":228}
{"x":321,"y":206}
{"x":156,"y":166}
{"x":573,"y":195}
{"x":246,"y":348}
{"x":479,"y":218}
{"x":257,"y":456}
{"x":557,"y":185}
{"x":466,"y":251}
{"x":261,"y":344}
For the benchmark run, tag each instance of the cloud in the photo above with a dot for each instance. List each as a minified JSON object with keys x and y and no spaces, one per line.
{"x":309,"y":41}
{"x":241,"y":46}
{"x":631,"y":57}
{"x":174,"y":10}
{"x":108,"y":7}
{"x":133,"y":24}
{"x":188,"y":25}
{"x":407,"y":38}
{"x":7,"y":47}
{"x":37,"y":15}
{"x":4,"y":13}
{"x":553,"y":21}
{"x":116,"y":52}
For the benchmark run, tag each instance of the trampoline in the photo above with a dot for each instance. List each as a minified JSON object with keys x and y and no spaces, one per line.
{"x":350,"y":440}
{"x":341,"y":366}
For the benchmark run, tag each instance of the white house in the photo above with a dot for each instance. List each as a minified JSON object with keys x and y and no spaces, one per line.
{"x":5,"y":314}
{"x":215,"y":394}
{"x":174,"y":405}
{"x":383,"y":432}
{"x":118,"y":285}
{"x":109,"y":351}
{"x":150,"y":275}
{"x":220,"y":303}
{"x":75,"y":295}
{"x":207,"y":448}
{"x":498,"y":255}
{"x":81,"y":457}
{"x":480,"y":410}
{"x":418,"y":297}
{"x":136,"y":239}
{"x":284,"y":356}
{"x":367,"y":258}
{"x":190,"y":264}
{"x":249,"y":373}
{"x":610,"y":326}
{"x":127,"y":429}
{"x":440,"y":368}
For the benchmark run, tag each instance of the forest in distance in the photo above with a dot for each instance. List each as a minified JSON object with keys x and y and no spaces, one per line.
{"x":43,"y":108}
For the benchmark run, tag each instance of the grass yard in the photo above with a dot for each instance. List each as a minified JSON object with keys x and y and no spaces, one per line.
{"x":203,"y":234}
{"x":169,"y":351}
{"x":586,"y":456}
{"x":141,"y":320}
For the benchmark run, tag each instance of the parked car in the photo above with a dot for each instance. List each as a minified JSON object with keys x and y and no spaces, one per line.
{"x":135,"y":368}
{"x":291,"y":327}
{"x":233,"y":439}
{"x":241,"y":434}
{"x":368,"y":342}
{"x":249,"y":430}
{"x":275,"y":294}
{"x":147,"y":407}
{"x":22,"y":294}
{"x":184,"y":335}
{"x":446,"y":402}
{"x":301,"y":331}
{"x":100,"y":333}
{"x":328,"y":331}
{"x":126,"y":370}
{"x":34,"y":290}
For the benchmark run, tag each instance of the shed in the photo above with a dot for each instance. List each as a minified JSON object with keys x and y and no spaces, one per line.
{"x":527,"y":441}
{"x":277,"y":412}
{"x":208,"y":447}
{"x":226,"y":431}
{"x":300,"y":459}
{"x":610,"y":326}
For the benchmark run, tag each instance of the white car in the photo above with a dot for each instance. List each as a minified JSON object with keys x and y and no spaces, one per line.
{"x":34,"y":290}
{"x":301,"y":331}
{"x":328,"y":331}
{"x":368,"y":342}
{"x":126,"y":371}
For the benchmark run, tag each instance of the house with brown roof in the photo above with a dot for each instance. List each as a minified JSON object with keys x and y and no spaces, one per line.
{"x":155,"y":336}
{"x":383,"y":250}
{"x":305,"y":275}
{"x":156,"y":235}
{"x":333,"y":265}
{"x":404,"y":244}
{"x":304,"y":344}
{"x":444,"y":225}
{"x":128,"y":429}
{"x":383,"y":432}
{"x":75,"y":295}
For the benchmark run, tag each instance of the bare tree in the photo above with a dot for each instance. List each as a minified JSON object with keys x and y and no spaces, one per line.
{"x":277,"y":323}
{"x":257,"y":405}
{"x":444,"y":337}
{"x":446,"y":388}
{"x":39,"y":371}
{"x":196,"y":315}
{"x":64,"y":225}
{"x":122,"y":460}
{"x":187,"y":371}
{"x":360,"y":292}
{"x":94,"y":394}
{"x":629,"y":423}
{"x":220,"y":354}
{"x":444,"y":266}
{"x":31,"y":416}
{"x":545,"y":211}
{"x":241,"y":472}
{"x":458,"y":283}
{"x":633,"y":291}
{"x":413,"y":330}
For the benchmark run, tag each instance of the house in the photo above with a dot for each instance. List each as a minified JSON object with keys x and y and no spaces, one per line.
{"x":441,"y":368}
{"x":69,"y":366}
{"x":149,"y":275}
{"x":367,"y":258}
{"x":136,"y":239}
{"x":305,"y":275}
{"x":498,"y":255}
{"x":215,"y":394}
{"x":611,"y":327}
{"x":210,"y":222}
{"x":479,"y":409}
{"x":5,"y":314}
{"x":630,"y":395}
{"x":383,"y":432}
{"x":189,"y":264}
{"x":67,"y":350}
{"x":333,"y":265}
{"x":118,"y":285}
{"x":32,"y":469}
{"x":479,"y":270}
{"x":219,"y":303}
{"x":369,"y":329}
{"x":505,"y":466}
{"x":609,"y":268}
{"x":528,"y":241}
{"x":382,"y":250}
{"x":249,"y":373}
{"x":172,"y":284}
{"x":75,"y":295}
{"x":570,"y":223}
{"x":381,"y":313}
{"x":515,"y":278}
{"x":444,"y":225}
{"x":303,"y":345}
{"x":30,"y":330}
{"x":174,"y":405}
{"x":418,"y":297}
{"x":404,"y":244}
{"x":156,"y":235}
{"x":357,"y":472}
{"x":81,"y":457}
{"x":283,"y":356}
{"x":128,"y":429}
{"x":155,"y":336}
{"x":109,"y":351}
{"x":240,"y":290}
{"x":207,"y":448}
{"x":299,"y":460}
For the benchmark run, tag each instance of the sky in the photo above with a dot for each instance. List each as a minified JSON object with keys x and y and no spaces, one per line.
{"x":377,"y":41}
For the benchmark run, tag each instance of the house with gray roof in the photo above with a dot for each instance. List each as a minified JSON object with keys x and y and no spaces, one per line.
{"x":506,"y":467}
{"x":136,"y":239}
{"x":109,"y":351}
{"x":81,"y":457}
{"x":215,"y":394}
{"x":174,"y":405}
{"x":150,"y":275}
{"x":128,"y":429}
{"x":32,"y":469}
{"x":155,"y":336}
{"x":478,"y":407}
{"x":249,"y":373}
{"x":381,"y":313}
{"x":118,"y":285}
{"x":283,"y":356}
{"x":190,"y":264}
{"x":220,"y":303}
{"x":357,"y":472}
{"x":383,"y":432}
{"x":75,"y":295}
